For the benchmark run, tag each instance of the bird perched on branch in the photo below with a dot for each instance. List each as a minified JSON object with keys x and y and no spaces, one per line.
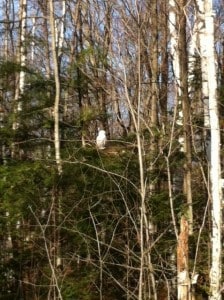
{"x":101,"y":139}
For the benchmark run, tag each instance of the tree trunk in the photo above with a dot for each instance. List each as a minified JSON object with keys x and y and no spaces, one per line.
{"x":21,"y":59}
{"x":180,"y":69}
{"x":215,"y":169}
{"x":183,"y":56}
{"x":154,"y":93}
{"x":57,"y":88}
{"x":183,"y":281}
{"x":163,"y":95}
{"x":22,"y":53}
{"x":203,"y":56}
{"x":173,"y":45}
{"x":56,"y":42}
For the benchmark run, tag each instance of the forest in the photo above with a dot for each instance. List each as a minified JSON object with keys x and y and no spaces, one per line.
{"x":138,"y":219}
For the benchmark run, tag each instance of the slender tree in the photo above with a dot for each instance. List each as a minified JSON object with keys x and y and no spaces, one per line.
{"x":22,"y":60}
{"x":183,"y":56}
{"x":57,"y":86}
{"x":215,"y":167}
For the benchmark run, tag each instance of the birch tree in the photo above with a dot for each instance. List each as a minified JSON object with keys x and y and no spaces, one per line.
{"x":21,"y":54}
{"x":215,"y":167}
{"x":57,"y":86}
{"x":57,"y":38}
{"x":204,"y":68}
{"x":179,"y":56}
{"x":21,"y":59}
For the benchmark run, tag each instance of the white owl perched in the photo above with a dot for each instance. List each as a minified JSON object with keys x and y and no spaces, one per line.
{"x":101,"y":139}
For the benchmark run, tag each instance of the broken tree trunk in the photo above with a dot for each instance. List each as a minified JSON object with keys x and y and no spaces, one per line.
{"x":183,"y":280}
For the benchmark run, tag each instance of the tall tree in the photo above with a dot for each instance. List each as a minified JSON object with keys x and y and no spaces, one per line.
{"x":179,"y":54}
{"x":21,"y":60}
{"x":183,"y":56}
{"x":22,"y":57}
{"x":214,"y":163}
{"x":57,"y":84}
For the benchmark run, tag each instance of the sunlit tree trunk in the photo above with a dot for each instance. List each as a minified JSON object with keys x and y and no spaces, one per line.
{"x":22,"y":54}
{"x":203,"y":56}
{"x":183,"y":288}
{"x":57,"y":37}
{"x":57,"y":87}
{"x":21,"y":59}
{"x":173,"y":46}
{"x":32,"y":54}
{"x":146,"y":278}
{"x":174,"y":58}
{"x":179,"y":56}
{"x":215,"y":170}
{"x":164,"y":65}
{"x":183,"y":56}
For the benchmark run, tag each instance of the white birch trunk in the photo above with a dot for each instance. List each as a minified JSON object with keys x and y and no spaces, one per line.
{"x":21,"y":60}
{"x":174,"y":43}
{"x":215,"y":172}
{"x":33,"y":40}
{"x":176,"y":73}
{"x":56,"y":205}
{"x":191,"y":54}
{"x":175,"y":62}
{"x":22,"y":49}
{"x":57,"y":89}
{"x":61,"y":34}
{"x":178,"y":48}
{"x":203,"y":54}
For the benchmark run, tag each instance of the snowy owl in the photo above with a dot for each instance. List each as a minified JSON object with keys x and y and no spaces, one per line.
{"x":101,"y":139}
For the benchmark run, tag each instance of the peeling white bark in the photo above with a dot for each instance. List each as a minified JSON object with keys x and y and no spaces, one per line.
{"x":57,"y":89}
{"x":203,"y":55}
{"x":21,"y":59}
{"x":215,"y":170}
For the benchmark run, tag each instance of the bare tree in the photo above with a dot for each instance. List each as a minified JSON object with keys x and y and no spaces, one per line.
{"x":183,"y":56}
{"x":22,"y":60}
{"x":215,"y":167}
{"x":57,"y":85}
